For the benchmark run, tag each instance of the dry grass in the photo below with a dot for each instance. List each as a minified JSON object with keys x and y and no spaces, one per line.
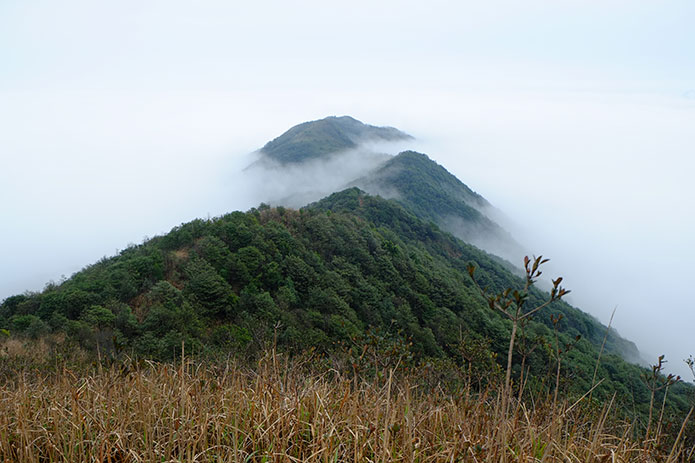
{"x":286,"y":411}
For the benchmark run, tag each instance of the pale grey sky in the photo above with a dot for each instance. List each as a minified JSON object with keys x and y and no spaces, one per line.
{"x":576,"y":118}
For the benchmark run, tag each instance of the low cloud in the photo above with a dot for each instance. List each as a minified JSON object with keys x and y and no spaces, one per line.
{"x":295,"y":185}
{"x":600,"y":183}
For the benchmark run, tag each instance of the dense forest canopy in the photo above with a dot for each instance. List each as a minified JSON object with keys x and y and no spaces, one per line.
{"x":316,"y":139}
{"x":432,"y":193}
{"x":353,"y":269}
{"x":417,"y":182}
{"x":317,"y":278}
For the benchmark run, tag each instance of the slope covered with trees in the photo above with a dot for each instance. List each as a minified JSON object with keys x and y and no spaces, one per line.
{"x":347,"y":275}
{"x":421,"y":185}
{"x":430,"y":192}
{"x":320,"y":278}
{"x":324,"y":137}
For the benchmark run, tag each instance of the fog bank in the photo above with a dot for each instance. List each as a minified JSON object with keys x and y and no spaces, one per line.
{"x":575,"y":119}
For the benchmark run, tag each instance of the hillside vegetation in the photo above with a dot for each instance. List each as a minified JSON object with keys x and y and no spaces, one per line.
{"x":351,"y":270}
{"x":416,"y":330}
{"x":421,"y":185}
{"x":430,"y":192}
{"x":324,"y":137}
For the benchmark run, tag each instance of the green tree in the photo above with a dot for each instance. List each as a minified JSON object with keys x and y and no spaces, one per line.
{"x":99,"y":317}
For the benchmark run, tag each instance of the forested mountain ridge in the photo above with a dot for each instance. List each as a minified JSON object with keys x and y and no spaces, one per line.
{"x":323,"y":137}
{"x":421,"y":185}
{"x":432,"y":193}
{"x":326,"y":276}
{"x":394,"y":217}
{"x":427,"y":194}
{"x":315,"y":278}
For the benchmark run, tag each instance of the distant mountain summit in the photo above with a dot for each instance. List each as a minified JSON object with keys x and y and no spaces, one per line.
{"x":317,"y":158}
{"x":326,"y":275}
{"x":315,"y":139}
{"x":430,"y":192}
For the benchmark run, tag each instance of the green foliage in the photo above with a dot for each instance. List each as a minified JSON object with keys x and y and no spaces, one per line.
{"x":433,"y":194}
{"x":314,"y":280}
{"x":230,"y":337}
{"x":377,"y":353}
{"x":28,"y":325}
{"x":208,"y":289}
{"x":315,"y":139}
{"x":125,"y":322}
{"x":69,"y":302}
{"x":99,"y":317}
{"x":476,"y":358}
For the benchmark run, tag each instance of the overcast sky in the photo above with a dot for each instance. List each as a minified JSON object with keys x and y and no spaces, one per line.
{"x":120,"y":120}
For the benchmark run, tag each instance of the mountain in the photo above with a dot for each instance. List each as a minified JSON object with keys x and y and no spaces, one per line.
{"x":332,"y":269}
{"x":315,"y":278}
{"x":324,"y":137}
{"x":432,"y":193}
{"x":342,"y":268}
{"x":423,"y":187}
{"x":390,"y":215}
{"x":316,"y":158}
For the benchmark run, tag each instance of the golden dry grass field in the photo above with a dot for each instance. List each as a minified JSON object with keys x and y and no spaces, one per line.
{"x":282,"y":410}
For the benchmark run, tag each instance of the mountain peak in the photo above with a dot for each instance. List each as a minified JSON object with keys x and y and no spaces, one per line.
{"x":314,"y":139}
{"x":432,"y":193}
